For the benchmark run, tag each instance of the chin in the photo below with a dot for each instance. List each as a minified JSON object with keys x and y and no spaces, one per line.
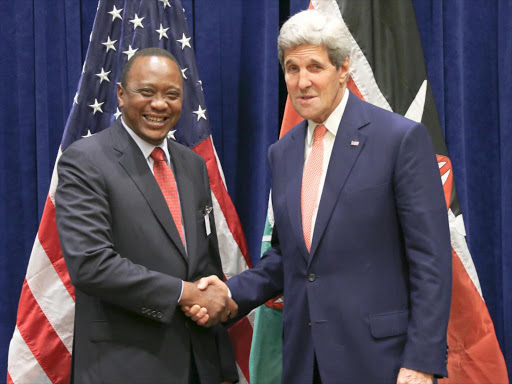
{"x":307,"y":116}
{"x":155,"y":140}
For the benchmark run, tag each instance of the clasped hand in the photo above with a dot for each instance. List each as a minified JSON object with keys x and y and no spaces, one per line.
{"x":206,"y":301}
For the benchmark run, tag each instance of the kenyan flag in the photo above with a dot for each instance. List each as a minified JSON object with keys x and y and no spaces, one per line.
{"x":388,"y":70}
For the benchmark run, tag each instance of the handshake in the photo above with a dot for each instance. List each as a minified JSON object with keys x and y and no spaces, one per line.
{"x":207,"y":302}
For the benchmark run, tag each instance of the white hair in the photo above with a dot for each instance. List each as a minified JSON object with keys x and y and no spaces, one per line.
{"x":312,"y":27}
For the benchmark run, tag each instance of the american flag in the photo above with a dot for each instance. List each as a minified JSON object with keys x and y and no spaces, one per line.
{"x":41,"y":346}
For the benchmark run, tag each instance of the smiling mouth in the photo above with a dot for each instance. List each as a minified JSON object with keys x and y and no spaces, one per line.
{"x":155,"y":119}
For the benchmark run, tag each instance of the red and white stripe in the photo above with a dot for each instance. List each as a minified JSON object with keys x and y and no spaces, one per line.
{"x":233,"y":249}
{"x":41,"y":346}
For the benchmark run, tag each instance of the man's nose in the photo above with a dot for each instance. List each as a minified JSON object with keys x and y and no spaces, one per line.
{"x":158,"y":102}
{"x":304,"y":80}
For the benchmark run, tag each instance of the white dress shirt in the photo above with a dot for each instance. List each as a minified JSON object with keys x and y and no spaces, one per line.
{"x":331,"y":124}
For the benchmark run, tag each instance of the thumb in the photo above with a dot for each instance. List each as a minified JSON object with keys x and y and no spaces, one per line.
{"x":205,"y":282}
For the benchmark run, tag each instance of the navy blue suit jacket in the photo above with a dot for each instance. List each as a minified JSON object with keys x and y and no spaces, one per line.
{"x":373,"y":294}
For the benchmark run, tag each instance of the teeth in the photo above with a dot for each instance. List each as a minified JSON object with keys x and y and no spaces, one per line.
{"x":156,"y":119}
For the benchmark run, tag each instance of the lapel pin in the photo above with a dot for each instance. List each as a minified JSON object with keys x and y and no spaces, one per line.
{"x":354,"y":143}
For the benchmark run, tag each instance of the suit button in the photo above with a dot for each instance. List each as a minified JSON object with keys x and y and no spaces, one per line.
{"x":311,"y":277}
{"x":309,"y":323}
{"x":144,"y":310}
{"x":153,"y":313}
{"x":159,"y":315}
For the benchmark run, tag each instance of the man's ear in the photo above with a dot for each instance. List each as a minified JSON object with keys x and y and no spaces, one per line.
{"x":120,"y":94}
{"x":344,"y":71}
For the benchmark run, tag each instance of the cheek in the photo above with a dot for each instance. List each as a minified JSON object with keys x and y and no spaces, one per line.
{"x":330,"y":89}
{"x":176,"y":106}
{"x":290,"y":83}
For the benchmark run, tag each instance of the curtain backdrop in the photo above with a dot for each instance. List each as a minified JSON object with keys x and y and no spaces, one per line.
{"x":468,"y":52}
{"x":468,"y":49}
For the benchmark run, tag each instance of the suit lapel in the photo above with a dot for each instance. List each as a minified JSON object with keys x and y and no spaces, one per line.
{"x":187,"y":194}
{"x":137,"y":168}
{"x":343,"y":158}
{"x":294,"y":160}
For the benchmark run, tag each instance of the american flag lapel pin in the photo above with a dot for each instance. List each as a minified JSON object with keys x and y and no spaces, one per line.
{"x":354,"y":143}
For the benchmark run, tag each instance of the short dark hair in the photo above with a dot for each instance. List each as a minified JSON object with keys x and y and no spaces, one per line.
{"x":144,"y":53}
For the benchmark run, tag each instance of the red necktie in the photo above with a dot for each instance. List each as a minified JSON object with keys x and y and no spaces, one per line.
{"x":310,"y":180}
{"x":165,"y":179}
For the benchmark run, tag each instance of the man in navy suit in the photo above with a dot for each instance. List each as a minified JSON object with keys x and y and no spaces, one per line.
{"x":361,"y":246}
{"x":130,"y":256}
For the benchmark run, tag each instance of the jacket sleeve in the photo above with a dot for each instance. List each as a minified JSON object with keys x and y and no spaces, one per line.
{"x":424,"y":222}
{"x":266,"y":280}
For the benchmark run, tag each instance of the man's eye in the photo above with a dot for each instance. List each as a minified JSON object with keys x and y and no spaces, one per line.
{"x":291,"y":69}
{"x":145,"y":92}
{"x":173,"y":96}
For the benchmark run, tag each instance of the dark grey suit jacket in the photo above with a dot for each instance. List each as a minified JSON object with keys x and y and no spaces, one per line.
{"x":126,"y":261}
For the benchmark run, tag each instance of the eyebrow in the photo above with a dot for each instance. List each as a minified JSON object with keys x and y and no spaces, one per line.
{"x":151,"y":85}
{"x":288,"y":62}
{"x":312,"y":61}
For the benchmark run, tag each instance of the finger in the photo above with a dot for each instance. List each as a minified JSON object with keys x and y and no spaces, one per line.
{"x":193,"y":310}
{"x":185,"y":308}
{"x":200,"y":314}
{"x":203,"y":320}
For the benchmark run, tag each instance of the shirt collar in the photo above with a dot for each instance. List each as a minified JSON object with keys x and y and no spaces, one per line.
{"x":333,"y":121}
{"x":144,"y":146}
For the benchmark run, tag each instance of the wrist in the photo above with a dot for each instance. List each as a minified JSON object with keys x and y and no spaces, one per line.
{"x":188,"y":294}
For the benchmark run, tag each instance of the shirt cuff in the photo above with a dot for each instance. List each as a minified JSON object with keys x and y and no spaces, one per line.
{"x":181,"y":293}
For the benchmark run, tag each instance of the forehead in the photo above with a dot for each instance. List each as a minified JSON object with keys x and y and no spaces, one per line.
{"x":306,"y":53}
{"x":154,"y":69}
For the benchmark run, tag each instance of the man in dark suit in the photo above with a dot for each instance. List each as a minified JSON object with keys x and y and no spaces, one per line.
{"x":134,"y":221}
{"x":361,"y":244}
